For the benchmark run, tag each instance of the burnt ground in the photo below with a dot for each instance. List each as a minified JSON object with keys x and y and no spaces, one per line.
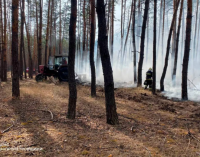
{"x":150,"y":125}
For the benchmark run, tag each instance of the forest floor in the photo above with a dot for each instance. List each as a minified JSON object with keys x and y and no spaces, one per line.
{"x":150,"y":125}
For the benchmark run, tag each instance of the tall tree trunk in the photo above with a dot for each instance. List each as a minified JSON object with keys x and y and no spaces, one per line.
{"x":29,"y":51}
{"x":60,"y":33}
{"x":47,"y":34}
{"x":129,"y":25}
{"x":72,"y":48}
{"x":112,"y":30}
{"x":163,"y":28}
{"x":15,"y":62}
{"x":111,"y":113}
{"x":92,"y":40}
{"x":177,"y":41}
{"x":174,"y":37}
{"x":40,"y":38}
{"x":37,"y":29}
{"x":22,"y":40}
{"x":140,"y":64}
{"x":54,"y":35}
{"x":122,"y":13}
{"x":51,"y":28}
{"x":187,"y":51}
{"x":84,"y":26}
{"x":134,"y":44}
{"x":154,"y":48}
{"x":195,"y":33}
{"x":5,"y":46}
{"x":24,"y":53}
{"x":160,"y":24}
{"x":1,"y":40}
{"x":168,"y":48}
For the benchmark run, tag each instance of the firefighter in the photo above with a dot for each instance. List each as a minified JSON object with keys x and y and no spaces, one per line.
{"x":148,"y":81}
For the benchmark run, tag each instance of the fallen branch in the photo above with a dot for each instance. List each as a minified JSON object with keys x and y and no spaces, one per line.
{"x":148,"y":151}
{"x":100,"y":147}
{"x":43,"y":111}
{"x":6,"y":130}
{"x":194,"y":137}
{"x":128,"y":118}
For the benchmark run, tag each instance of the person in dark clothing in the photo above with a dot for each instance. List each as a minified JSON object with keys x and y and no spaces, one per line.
{"x":148,"y":81}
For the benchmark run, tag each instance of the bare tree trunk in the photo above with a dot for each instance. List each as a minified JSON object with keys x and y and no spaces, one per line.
{"x":187,"y":51}
{"x":195,"y":33}
{"x":154,"y":49}
{"x":22,"y":40}
{"x":54,"y":32}
{"x":112,"y":29}
{"x":24,"y":53}
{"x":122,"y":26}
{"x":29,"y":50}
{"x":168,"y":48}
{"x":92,"y":40}
{"x":72,"y":48}
{"x":177,"y":40}
{"x":15,"y":62}
{"x":40,"y":38}
{"x":134,"y":44}
{"x":129,"y":25}
{"x":37,"y":29}
{"x":84,"y":26}
{"x":173,"y":37}
{"x":1,"y":40}
{"x":160,"y":24}
{"x":51,"y":28}
{"x":140,"y":64}
{"x":60,"y":33}
{"x":47,"y":34}
{"x":163,"y":28}
{"x":4,"y":46}
{"x":112,"y":117}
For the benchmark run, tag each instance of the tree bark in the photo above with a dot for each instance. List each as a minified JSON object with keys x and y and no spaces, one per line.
{"x":112,"y":29}
{"x":154,"y":49}
{"x":72,"y":48}
{"x":140,"y":64}
{"x":177,"y":41}
{"x":195,"y":33}
{"x":29,"y":52}
{"x":5,"y":46}
{"x":15,"y":62}
{"x":112,"y":117}
{"x":1,"y":39}
{"x":92,"y":40}
{"x":163,"y":28}
{"x":168,"y":48}
{"x":40,"y":38}
{"x":47,"y":34}
{"x":60,"y":33}
{"x":129,"y":25}
{"x":187,"y":51}
{"x":84,"y":26}
{"x":22,"y":40}
{"x":134,"y":44}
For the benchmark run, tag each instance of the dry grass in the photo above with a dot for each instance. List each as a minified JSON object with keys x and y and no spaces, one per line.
{"x":149,"y":125}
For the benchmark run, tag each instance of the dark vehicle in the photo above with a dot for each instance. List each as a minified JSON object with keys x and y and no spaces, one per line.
{"x":57,"y":67}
